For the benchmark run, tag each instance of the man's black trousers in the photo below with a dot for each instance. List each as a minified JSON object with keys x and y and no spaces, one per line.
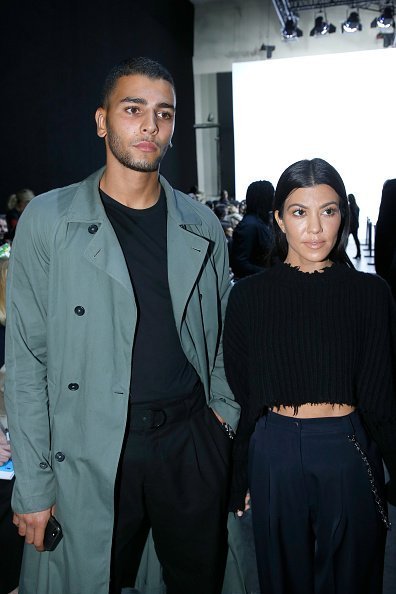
{"x":173,"y":477}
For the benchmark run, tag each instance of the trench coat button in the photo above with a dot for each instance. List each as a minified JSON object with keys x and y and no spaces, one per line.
{"x":92,"y":229}
{"x":43,"y":465}
{"x":59,"y":456}
{"x":79,"y":310}
{"x":73,"y":386}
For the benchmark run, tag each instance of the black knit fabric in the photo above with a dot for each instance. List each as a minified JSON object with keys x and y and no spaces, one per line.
{"x":293,"y":338}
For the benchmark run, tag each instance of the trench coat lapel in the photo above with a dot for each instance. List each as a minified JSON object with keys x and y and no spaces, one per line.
{"x":186,"y":254}
{"x":103,"y":250}
{"x":186,"y":251}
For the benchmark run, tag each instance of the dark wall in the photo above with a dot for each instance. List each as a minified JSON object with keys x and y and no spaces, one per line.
{"x":55,"y":56}
{"x":226,"y":121}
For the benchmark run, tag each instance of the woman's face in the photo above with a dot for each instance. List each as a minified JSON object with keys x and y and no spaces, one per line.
{"x":311,"y":220}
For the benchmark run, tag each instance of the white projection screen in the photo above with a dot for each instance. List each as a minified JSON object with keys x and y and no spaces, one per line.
{"x":339,"y":107}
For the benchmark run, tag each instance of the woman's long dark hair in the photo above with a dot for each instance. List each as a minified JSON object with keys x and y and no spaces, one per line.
{"x":306,"y":174}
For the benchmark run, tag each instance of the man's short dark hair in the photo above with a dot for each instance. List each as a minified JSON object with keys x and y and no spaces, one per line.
{"x":141,"y":65}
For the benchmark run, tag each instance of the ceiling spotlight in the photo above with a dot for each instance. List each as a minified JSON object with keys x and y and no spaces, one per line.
{"x":290,"y":29}
{"x":322,"y":27}
{"x":385,"y":21}
{"x":352,"y":24}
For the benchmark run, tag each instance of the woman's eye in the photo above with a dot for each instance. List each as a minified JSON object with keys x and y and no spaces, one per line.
{"x":299,"y":212}
{"x":330,"y":211}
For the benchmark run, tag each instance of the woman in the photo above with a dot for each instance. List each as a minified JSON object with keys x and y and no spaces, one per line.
{"x":385,"y":236}
{"x":308,"y":355}
{"x":354,"y":211}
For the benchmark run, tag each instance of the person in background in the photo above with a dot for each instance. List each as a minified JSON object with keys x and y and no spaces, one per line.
{"x":117,"y":293}
{"x":253,"y":237}
{"x":354,"y":223}
{"x":233,"y":215}
{"x":220,"y":211}
{"x":224,"y":197}
{"x":385,"y":235}
{"x":16,"y":205}
{"x":3,"y":230}
{"x":193,"y":192}
{"x":309,"y":349}
{"x":228,"y":231}
{"x":11,"y":544}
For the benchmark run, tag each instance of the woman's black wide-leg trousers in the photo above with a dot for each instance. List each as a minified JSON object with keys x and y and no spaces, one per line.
{"x":317,"y":526}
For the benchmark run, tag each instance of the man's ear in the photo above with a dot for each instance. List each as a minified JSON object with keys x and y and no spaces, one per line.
{"x":100,"y":118}
{"x":279,"y":220}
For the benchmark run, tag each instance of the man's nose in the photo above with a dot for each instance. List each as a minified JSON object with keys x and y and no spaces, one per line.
{"x":149,"y":125}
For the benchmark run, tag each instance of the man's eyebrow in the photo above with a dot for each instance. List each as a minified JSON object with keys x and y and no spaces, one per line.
{"x":142,"y":101}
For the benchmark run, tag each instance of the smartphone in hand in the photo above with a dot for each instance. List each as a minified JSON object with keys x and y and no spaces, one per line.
{"x":53,"y":534}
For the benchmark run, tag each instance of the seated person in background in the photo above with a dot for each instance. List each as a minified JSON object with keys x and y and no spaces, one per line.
{"x":233,"y":215}
{"x":16,"y":205}
{"x":220,"y":211}
{"x":228,"y":232}
{"x":11,"y":544}
{"x":253,"y":236}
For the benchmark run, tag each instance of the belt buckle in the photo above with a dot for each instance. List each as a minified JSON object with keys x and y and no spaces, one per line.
{"x":162,"y":419}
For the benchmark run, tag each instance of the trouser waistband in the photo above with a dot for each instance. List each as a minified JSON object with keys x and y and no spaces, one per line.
{"x":149,"y":416}
{"x":347,"y":423}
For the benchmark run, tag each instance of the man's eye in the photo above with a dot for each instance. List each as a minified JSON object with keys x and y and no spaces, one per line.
{"x":165,"y":115}
{"x":132,"y":109}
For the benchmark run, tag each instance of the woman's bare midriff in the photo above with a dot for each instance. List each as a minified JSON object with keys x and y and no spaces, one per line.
{"x":309,"y":411}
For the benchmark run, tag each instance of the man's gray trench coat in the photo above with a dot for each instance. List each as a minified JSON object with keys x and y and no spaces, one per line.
{"x":70,"y":324}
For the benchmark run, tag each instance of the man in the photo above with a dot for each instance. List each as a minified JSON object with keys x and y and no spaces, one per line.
{"x":119,"y":411}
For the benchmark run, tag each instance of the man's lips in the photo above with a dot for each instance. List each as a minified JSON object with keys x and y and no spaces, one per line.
{"x":146,"y":146}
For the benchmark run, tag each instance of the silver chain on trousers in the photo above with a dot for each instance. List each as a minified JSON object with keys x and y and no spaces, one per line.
{"x":377,"y":498}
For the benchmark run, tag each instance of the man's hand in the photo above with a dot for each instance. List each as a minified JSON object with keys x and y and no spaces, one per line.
{"x":240,"y":513}
{"x":221,"y":420}
{"x":32,"y":526}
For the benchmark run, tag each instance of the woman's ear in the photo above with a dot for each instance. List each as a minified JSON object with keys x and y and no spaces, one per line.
{"x":279,"y":220}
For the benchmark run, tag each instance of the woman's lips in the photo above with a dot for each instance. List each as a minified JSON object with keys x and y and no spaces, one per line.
{"x":315,"y":245}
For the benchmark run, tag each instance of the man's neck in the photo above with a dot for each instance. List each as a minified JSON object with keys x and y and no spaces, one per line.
{"x":134,"y":189}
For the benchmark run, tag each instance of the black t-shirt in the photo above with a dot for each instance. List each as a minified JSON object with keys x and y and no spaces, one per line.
{"x":160,"y":369}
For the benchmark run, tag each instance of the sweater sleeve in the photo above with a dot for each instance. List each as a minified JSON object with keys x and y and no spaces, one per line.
{"x":376,"y":382}
{"x":236,"y":363}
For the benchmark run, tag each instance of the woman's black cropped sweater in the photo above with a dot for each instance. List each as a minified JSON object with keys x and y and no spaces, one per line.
{"x":292,"y":338}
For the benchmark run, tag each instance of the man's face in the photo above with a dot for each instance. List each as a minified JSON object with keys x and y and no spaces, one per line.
{"x":138,"y":122}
